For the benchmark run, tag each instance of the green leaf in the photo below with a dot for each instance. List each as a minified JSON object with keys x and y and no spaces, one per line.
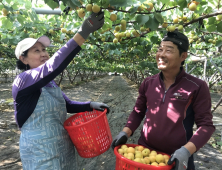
{"x":83,"y":46}
{"x":28,"y":5}
{"x":52,"y":4}
{"x":211,"y":20}
{"x":15,"y":6}
{"x":133,"y":10}
{"x":211,"y":28}
{"x":62,"y":6}
{"x":6,"y":22}
{"x":219,"y":43}
{"x":182,"y":4}
{"x":118,"y":3}
{"x":130,"y":15}
{"x":76,"y":2}
{"x":165,"y":1}
{"x":152,"y":23}
{"x":219,"y":143}
{"x":21,"y":19}
{"x":159,"y":17}
{"x":219,"y":27}
{"x":142,"y":19}
{"x":154,"y":39}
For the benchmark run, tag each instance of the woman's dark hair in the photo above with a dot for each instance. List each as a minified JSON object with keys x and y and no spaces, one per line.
{"x":20,"y":65}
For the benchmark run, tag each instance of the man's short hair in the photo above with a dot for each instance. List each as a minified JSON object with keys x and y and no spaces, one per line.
{"x":177,"y":38}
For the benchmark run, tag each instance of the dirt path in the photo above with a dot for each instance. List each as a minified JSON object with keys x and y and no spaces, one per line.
{"x":120,"y":94}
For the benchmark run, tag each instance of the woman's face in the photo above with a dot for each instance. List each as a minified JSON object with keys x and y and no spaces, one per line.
{"x":37,"y":55}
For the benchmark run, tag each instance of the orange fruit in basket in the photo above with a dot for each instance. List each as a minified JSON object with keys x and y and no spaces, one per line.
{"x":138,"y":160}
{"x":131,"y":150}
{"x":125,"y":150}
{"x":120,"y":151}
{"x":155,"y":164}
{"x":147,"y":160}
{"x":143,"y":161}
{"x":160,"y":158}
{"x":134,"y":153}
{"x":124,"y":146}
{"x":153,"y":153}
{"x":152,"y":159}
{"x":140,"y":148}
{"x":131,"y":155}
{"x":162,"y":164}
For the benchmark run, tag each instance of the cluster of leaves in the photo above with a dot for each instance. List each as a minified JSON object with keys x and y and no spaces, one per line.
{"x":134,"y":52}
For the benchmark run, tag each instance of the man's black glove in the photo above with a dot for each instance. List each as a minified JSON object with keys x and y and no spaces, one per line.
{"x":180,"y":156}
{"x":99,"y":106}
{"x":120,"y":139}
{"x":94,"y":22}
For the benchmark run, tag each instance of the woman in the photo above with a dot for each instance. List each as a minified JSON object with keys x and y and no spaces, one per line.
{"x":40,"y":105}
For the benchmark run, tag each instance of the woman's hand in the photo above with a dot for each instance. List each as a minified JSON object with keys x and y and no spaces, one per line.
{"x":99,"y":106}
{"x":94,"y":22}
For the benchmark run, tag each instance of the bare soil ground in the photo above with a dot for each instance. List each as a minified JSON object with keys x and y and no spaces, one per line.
{"x":120,"y":94}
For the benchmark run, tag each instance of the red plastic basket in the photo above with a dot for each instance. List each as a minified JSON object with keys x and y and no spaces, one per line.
{"x":89,"y":132}
{"x":123,"y":163}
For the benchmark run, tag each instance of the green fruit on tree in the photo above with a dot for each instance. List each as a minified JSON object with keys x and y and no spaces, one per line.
{"x":123,"y":28}
{"x":135,"y":33}
{"x":192,"y":6}
{"x":142,"y":29}
{"x":31,"y":35}
{"x":171,"y":28}
{"x":89,"y":7}
{"x":184,"y":18}
{"x":113,"y":17}
{"x":63,"y":30}
{"x":81,"y":13}
{"x":175,"y":20}
{"x":128,"y":34}
{"x":103,"y":39}
{"x":117,"y":35}
{"x":117,"y":28}
{"x":219,"y":17}
{"x":51,"y":31}
{"x":195,"y":38}
{"x":115,"y":40}
{"x":150,"y":4}
{"x":180,"y":28}
{"x":210,"y":40}
{"x":4,"y":11}
{"x":164,"y":25}
{"x":123,"y":22}
{"x":95,"y":8}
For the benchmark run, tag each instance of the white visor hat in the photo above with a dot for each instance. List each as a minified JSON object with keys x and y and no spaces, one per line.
{"x":28,"y":43}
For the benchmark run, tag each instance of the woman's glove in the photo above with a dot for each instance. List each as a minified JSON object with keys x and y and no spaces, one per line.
{"x":120,"y":139}
{"x":180,"y":156}
{"x":94,"y":22}
{"x":99,"y":106}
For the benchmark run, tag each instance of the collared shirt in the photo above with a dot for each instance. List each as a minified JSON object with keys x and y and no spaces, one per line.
{"x":170,"y":114}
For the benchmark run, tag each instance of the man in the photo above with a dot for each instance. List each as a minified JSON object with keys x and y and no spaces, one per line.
{"x":171,"y":102}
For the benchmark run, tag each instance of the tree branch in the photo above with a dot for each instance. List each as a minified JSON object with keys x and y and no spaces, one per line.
{"x":211,"y":32}
{"x":202,"y":17}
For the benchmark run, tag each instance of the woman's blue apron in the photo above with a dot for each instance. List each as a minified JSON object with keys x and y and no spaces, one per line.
{"x":44,"y":143}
